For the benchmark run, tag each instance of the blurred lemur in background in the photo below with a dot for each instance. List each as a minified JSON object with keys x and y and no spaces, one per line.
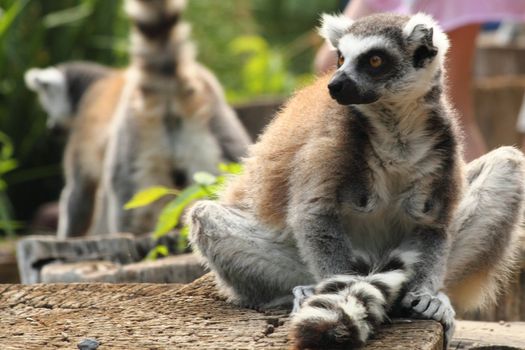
{"x":157,"y":122}
{"x":60,"y":89}
{"x":356,"y":204}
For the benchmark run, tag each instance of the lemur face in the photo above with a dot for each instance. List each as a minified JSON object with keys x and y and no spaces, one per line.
{"x":51,"y":87}
{"x":383,"y":56}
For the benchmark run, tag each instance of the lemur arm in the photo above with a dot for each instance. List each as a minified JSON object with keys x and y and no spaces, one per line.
{"x":224,"y":124}
{"x":322,"y":243}
{"x":430,"y":203}
{"x":230,"y":133}
{"x":314,"y":211}
{"x":77,"y":200}
{"x":428,"y":273}
{"x":118,"y":179}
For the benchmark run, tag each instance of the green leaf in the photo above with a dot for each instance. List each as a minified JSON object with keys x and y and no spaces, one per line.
{"x":230,"y":168}
{"x":183,"y":241}
{"x":248,"y":44}
{"x":148,"y":196}
{"x":6,"y":146}
{"x":204,"y":178}
{"x":171,"y":213}
{"x":11,"y":225}
{"x":10,"y":15}
{"x":68,"y":16}
{"x":160,"y":250}
{"x":7,"y":165}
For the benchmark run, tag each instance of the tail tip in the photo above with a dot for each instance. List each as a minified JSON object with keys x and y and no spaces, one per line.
{"x":149,"y":11}
{"x":326,"y":326}
{"x":326,"y":334}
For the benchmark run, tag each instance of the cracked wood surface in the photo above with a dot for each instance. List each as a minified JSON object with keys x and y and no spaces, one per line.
{"x":160,"y":316}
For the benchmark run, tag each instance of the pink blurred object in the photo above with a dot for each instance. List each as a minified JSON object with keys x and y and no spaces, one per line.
{"x":452,"y":14}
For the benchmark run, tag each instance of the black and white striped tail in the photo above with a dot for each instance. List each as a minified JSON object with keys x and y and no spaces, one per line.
{"x":159,"y":40}
{"x":345,"y":309}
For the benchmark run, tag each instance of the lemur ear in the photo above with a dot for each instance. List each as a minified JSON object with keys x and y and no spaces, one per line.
{"x":334,"y":27}
{"x":426,"y":38}
{"x":37,"y":79}
{"x":31,"y":78}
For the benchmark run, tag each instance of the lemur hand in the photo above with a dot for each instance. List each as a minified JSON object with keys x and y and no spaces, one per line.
{"x":301,"y":293}
{"x":432,"y":307}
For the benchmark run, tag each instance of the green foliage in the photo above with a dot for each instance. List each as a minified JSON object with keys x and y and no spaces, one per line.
{"x":264,"y":70}
{"x":7,"y":164}
{"x":258,"y":48}
{"x":39,"y":33}
{"x":159,"y":251}
{"x":148,"y":196}
{"x":207,"y":186}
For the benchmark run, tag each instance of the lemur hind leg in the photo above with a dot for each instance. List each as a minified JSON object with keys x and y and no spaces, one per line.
{"x":485,"y":230}
{"x":254,"y":266}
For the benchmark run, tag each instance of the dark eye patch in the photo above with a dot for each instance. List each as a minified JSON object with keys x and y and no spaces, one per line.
{"x":386,"y":69}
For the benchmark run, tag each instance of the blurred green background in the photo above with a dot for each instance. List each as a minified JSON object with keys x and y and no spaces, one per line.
{"x":257,"y":48}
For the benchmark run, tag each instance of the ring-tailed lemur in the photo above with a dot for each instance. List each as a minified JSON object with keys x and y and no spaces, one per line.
{"x":79,"y":98}
{"x":356,"y":199}
{"x":155,"y":123}
{"x":172,"y":120}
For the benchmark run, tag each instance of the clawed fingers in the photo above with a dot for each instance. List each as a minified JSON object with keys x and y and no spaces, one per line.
{"x":301,"y":293}
{"x":432,"y":307}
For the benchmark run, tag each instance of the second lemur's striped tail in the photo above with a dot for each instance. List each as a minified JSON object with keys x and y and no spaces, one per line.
{"x":345,"y":309}
{"x":159,"y":40}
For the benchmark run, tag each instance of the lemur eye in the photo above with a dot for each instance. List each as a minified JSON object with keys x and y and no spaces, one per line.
{"x":340,"y":60}
{"x":375,"y":61}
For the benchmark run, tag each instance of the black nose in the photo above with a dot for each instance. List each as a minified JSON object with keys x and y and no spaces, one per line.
{"x":335,"y":86}
{"x":344,"y":90}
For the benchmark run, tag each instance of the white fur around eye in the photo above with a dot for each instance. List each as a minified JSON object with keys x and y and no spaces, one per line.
{"x":352,"y":46}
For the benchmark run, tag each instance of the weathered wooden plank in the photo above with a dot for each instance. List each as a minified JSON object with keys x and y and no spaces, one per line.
{"x":497,"y":104}
{"x":183,"y":268}
{"x":8,"y":268}
{"x":489,"y":335}
{"x":160,"y":316}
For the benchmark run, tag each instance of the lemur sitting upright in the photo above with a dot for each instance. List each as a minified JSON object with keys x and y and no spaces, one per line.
{"x":172,"y":119}
{"x":356,"y":203}
{"x":80,"y":99}
{"x":157,"y":122}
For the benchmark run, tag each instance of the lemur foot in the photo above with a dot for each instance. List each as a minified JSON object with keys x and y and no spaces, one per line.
{"x":427,"y":306}
{"x":301,"y":293}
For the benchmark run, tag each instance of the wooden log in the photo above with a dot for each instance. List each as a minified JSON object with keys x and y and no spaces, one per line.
{"x":8,"y":267}
{"x":497,"y":104}
{"x":184,"y":268}
{"x":489,"y":335}
{"x":257,"y":114}
{"x":35,"y":252}
{"x":160,"y":316}
{"x":497,"y":60}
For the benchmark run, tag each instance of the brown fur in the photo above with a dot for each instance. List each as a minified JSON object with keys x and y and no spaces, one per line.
{"x":90,"y":131}
{"x":308,"y":141}
{"x":269,"y":167}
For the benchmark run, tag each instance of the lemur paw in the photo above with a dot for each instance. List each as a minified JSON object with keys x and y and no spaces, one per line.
{"x":301,"y":293}
{"x":432,"y":307}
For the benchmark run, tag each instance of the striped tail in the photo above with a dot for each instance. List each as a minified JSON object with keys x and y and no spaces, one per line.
{"x":159,"y":40}
{"x":345,"y":309}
